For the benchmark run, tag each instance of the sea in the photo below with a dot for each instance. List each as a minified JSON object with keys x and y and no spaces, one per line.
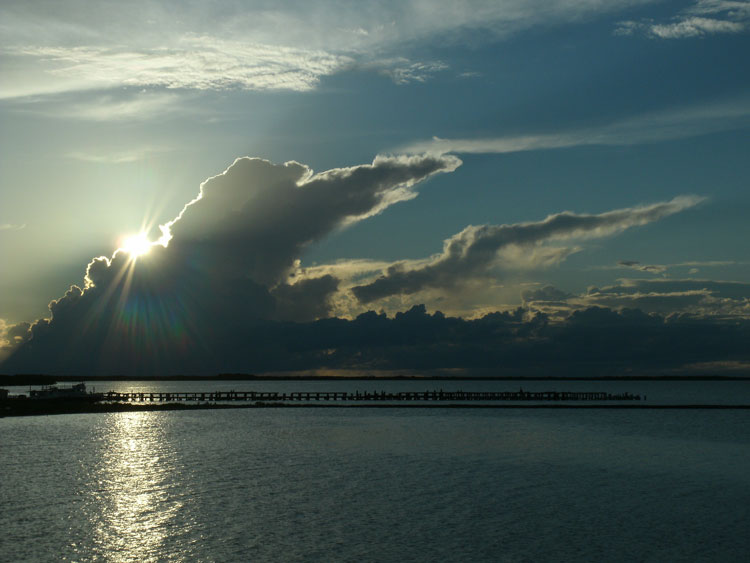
{"x":375,"y":484}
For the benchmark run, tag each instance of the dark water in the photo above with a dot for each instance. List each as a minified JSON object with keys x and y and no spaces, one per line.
{"x":373,"y":485}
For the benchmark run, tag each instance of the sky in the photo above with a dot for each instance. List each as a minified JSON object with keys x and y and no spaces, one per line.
{"x":290,"y":165}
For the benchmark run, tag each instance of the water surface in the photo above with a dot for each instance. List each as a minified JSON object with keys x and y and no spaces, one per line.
{"x":373,"y":485}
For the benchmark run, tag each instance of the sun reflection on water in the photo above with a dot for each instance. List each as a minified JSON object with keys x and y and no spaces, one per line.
{"x":136,"y":482}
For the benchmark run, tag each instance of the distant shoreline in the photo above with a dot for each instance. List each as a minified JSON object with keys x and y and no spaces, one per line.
{"x":44,"y":379}
{"x":72,"y":407}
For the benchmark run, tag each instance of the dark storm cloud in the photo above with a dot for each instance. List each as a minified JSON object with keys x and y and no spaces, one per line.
{"x":12,"y":336}
{"x":19,"y":332}
{"x":591,"y":341}
{"x":194,"y":302}
{"x":305,"y":300}
{"x":477,"y":248}
{"x":224,"y":294}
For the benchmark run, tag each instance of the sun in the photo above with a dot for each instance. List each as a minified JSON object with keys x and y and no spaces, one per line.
{"x":136,"y":245}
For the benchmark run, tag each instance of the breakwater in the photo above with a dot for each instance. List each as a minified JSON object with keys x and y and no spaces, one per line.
{"x":357,"y":396}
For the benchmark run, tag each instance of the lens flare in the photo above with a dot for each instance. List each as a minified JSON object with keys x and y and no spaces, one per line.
{"x":136,"y":245}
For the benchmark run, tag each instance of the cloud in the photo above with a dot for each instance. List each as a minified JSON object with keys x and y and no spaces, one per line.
{"x":144,"y":105}
{"x":115,"y":157}
{"x":291,"y":46}
{"x":305,"y":299}
{"x":12,"y":336}
{"x":222,"y":266}
{"x":648,"y":128}
{"x":12,"y":227}
{"x":110,"y":158}
{"x":548,"y":293}
{"x":120,"y":106}
{"x":403,"y":71}
{"x":476,"y":249}
{"x":709,"y":263}
{"x":194,"y":62}
{"x":700,"y":297}
{"x":683,"y":28}
{"x":721,"y":289}
{"x":694,"y":27}
{"x":345,"y":269}
{"x":224,"y":289}
{"x":692,"y":266}
{"x":590,"y":341}
{"x":654,"y":268}
{"x":278,"y":210}
{"x":731,"y":17}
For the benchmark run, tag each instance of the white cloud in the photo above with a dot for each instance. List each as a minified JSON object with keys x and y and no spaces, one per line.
{"x":694,"y":27}
{"x":115,"y":157}
{"x":735,"y":8}
{"x":647,"y":128}
{"x":198,"y":62}
{"x":141,"y":106}
{"x":12,"y":226}
{"x":119,"y":106}
{"x":291,"y":46}
{"x":404,"y":71}
{"x":729,"y":17}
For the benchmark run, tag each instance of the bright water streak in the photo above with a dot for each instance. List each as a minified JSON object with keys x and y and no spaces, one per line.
{"x":375,"y":485}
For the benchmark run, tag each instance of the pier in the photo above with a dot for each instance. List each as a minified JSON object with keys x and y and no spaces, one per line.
{"x":357,"y":396}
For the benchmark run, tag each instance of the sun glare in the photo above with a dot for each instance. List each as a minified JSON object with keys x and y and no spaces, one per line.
{"x":136,"y":245}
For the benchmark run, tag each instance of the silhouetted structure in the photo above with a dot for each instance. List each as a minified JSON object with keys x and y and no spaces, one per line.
{"x":440,"y":395}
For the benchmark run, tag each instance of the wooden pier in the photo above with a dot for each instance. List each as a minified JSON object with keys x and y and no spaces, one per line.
{"x":357,"y":396}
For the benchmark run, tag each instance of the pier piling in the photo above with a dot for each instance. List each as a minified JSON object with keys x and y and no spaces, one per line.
{"x":357,"y":396}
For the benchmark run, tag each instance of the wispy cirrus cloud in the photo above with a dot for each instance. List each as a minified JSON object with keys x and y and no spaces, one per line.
{"x":635,"y":265}
{"x":12,"y":226}
{"x":705,"y":17}
{"x":194,"y":62}
{"x":128,"y":105}
{"x":293,"y":46}
{"x":404,"y":71}
{"x":647,"y":128}
{"x":115,"y":157}
{"x":702,"y":297}
{"x":141,"y":105}
{"x":693,"y":266}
